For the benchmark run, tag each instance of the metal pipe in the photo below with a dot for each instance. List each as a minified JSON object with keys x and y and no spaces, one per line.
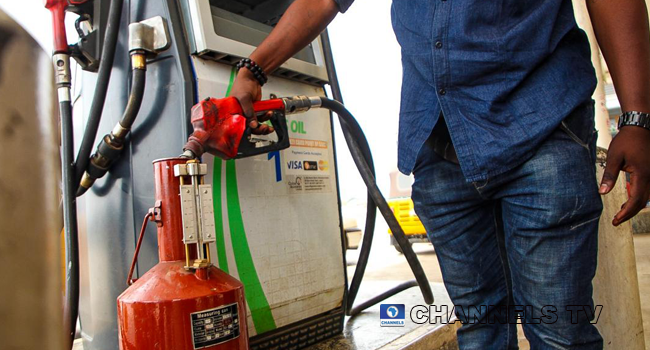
{"x":199,"y":244}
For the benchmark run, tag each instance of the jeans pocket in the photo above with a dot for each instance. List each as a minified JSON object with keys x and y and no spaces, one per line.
{"x":572,"y":135}
{"x":580,"y":125}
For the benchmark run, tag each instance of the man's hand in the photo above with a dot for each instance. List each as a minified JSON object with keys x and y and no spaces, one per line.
{"x":621,"y":28}
{"x":303,"y":21}
{"x":629,"y":152}
{"x":247,"y":90}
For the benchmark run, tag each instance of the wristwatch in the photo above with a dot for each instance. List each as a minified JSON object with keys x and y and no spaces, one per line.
{"x":634,"y":118}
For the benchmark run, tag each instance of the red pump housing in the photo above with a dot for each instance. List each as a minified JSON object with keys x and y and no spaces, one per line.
{"x":171,"y":308}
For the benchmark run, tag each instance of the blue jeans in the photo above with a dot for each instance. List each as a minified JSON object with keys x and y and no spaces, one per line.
{"x":521,"y":244}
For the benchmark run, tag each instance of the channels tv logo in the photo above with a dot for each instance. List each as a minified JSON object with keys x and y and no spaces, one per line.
{"x":392,"y":315}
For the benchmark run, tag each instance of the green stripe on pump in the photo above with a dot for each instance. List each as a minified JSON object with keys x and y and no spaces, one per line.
{"x":216,"y":195}
{"x":233,"y":73}
{"x":260,"y":309}
{"x":218,"y":215}
{"x":255,"y":297}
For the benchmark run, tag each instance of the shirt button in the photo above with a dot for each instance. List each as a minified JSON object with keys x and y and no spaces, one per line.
{"x":442,"y":91}
{"x":438,"y":44}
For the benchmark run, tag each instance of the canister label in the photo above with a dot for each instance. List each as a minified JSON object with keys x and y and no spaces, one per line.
{"x":215,"y":326}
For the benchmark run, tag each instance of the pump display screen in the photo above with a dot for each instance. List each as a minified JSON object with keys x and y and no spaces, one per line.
{"x":251,"y":21}
{"x":264,"y":11}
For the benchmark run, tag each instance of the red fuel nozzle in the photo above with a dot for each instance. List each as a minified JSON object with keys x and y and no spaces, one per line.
{"x":57,"y":8}
{"x":221,"y":129}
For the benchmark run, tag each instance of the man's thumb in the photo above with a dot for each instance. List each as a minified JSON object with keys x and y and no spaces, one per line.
{"x":246,"y":103}
{"x":612,"y":169}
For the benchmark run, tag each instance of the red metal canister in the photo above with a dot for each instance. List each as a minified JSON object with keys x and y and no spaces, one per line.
{"x":171,"y":308}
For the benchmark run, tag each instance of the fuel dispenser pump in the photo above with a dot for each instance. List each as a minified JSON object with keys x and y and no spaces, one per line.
{"x":176,"y":286}
{"x":294,"y":271}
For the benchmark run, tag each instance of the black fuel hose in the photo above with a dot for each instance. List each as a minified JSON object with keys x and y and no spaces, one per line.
{"x":371,"y":207}
{"x":112,"y":145}
{"x":101,"y":88}
{"x":378,"y":198}
{"x":71,"y":303}
{"x":383,"y":296}
{"x":371,"y":213}
{"x":139,"y":79}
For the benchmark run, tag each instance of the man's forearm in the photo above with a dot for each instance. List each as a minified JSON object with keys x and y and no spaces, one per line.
{"x":303,"y":21}
{"x":621,"y":27}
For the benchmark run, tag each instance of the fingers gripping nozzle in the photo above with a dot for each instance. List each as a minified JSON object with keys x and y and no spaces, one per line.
{"x":221,"y":129}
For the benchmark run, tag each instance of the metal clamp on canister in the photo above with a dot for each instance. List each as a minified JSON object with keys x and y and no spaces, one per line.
{"x":197,"y":212}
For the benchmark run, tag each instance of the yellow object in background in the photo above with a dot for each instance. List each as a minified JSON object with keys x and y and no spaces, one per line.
{"x":405,"y":214}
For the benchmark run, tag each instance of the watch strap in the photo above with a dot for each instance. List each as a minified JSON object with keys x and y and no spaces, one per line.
{"x":634,"y":118}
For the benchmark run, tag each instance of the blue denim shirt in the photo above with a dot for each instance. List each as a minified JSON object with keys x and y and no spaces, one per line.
{"x":503,"y":73}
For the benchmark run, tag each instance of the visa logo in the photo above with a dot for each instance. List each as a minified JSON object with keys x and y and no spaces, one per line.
{"x":294,"y":165}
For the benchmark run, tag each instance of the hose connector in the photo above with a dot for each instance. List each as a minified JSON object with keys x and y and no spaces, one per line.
{"x":300,"y":104}
{"x":138,"y":60}
{"x":107,"y":153}
{"x":62,"y":75}
{"x":119,"y":132}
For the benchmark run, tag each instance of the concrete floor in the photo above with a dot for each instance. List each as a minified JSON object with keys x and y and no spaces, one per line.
{"x":363,"y":332}
{"x":387,"y":268}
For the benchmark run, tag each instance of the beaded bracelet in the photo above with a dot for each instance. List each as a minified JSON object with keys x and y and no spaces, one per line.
{"x":258,"y":73}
